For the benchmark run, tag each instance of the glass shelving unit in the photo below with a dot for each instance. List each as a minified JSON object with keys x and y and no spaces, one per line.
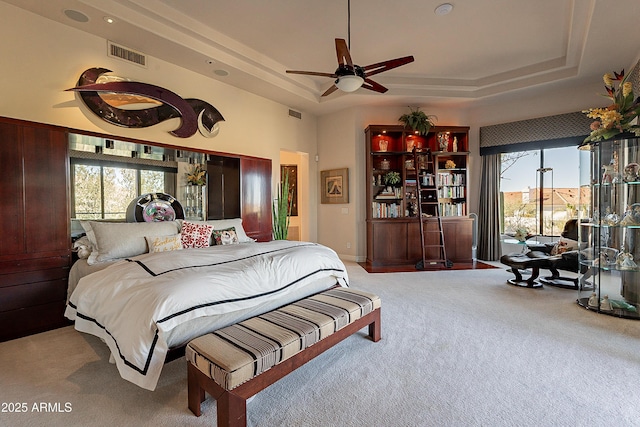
{"x":609,"y":278}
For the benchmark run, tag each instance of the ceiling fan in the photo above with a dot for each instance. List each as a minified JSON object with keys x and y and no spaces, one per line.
{"x":349,"y":76}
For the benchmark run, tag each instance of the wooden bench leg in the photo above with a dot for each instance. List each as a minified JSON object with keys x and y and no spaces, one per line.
{"x":232,"y":410}
{"x":375,"y":328}
{"x":194,"y":390}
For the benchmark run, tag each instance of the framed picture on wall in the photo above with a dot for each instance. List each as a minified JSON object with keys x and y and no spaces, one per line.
{"x":335,"y":186}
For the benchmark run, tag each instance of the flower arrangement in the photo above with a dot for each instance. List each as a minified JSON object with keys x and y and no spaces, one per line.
{"x":197,"y":175}
{"x":620,"y":115}
{"x":521,"y":234}
{"x":449,"y":164}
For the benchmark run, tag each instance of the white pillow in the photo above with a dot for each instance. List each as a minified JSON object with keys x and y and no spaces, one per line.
{"x":223,"y":224}
{"x":116,"y":240}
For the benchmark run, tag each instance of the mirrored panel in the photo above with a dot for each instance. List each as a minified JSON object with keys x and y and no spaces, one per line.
{"x":106,"y":175}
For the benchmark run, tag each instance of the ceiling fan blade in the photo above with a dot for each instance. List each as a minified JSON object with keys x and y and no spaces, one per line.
{"x":329,"y":91}
{"x":373,"y":69}
{"x":312,"y":73}
{"x":371,"y":85}
{"x":343,"y":53}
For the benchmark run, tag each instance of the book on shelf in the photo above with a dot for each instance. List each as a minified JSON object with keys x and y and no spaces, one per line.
{"x":451,"y":192}
{"x":385,"y":210}
{"x":453,"y":209}
{"x":447,"y":178}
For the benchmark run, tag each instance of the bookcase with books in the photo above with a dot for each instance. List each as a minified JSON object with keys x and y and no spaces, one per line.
{"x":391,"y":194}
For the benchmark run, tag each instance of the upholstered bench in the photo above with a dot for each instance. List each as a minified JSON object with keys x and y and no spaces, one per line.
{"x":236,"y":362}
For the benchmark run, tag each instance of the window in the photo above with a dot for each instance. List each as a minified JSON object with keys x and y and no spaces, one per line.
{"x":104,"y":192}
{"x":539,"y":190}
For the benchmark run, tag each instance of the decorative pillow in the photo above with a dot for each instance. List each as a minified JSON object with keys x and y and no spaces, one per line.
{"x":564,"y":245}
{"x":222,"y":224}
{"x":88,"y":230}
{"x":83,"y":247}
{"x":164,"y":243}
{"x":195,"y":235}
{"x":116,"y":240}
{"x":228,"y":236}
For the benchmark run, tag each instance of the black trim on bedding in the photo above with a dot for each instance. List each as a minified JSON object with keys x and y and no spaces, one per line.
{"x":210,"y":304}
{"x":154,"y":274}
{"x":126,"y":362}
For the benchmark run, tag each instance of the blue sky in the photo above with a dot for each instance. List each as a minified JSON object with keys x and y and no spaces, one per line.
{"x":563,"y":161}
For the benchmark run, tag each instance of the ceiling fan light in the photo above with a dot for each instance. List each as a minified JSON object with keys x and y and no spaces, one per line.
{"x":349,"y":83}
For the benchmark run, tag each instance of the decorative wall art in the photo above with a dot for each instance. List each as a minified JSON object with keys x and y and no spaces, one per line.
{"x":129,"y":104}
{"x":335,"y":186}
{"x":292,"y":171}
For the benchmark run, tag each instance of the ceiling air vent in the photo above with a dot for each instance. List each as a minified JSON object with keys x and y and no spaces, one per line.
{"x":296,"y":114}
{"x":126,"y":54}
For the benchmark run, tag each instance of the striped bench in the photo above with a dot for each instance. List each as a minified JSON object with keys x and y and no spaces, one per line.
{"x":236,"y":362}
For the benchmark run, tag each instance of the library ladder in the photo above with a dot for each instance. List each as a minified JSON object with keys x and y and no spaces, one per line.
{"x":433,"y":254}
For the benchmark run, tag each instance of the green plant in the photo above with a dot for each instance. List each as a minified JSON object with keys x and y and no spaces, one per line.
{"x":417,"y":120}
{"x":281,"y":211}
{"x":392,"y":178}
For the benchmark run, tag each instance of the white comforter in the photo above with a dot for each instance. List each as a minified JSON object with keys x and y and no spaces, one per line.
{"x":134,"y":304}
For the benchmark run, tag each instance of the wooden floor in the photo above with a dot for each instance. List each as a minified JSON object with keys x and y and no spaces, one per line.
{"x":476,"y":265}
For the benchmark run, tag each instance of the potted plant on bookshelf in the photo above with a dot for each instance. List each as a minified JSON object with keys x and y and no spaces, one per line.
{"x":392,"y":178}
{"x":419,"y":121}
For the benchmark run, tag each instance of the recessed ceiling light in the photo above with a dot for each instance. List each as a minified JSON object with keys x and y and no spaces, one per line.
{"x":76,"y":15}
{"x":109,"y":20}
{"x":444,"y":9}
{"x":221,"y":73}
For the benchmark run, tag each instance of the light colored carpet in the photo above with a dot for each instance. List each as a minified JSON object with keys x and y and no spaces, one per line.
{"x":458,"y":348}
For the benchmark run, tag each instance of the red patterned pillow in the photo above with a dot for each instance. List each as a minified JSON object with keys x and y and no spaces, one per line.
{"x":195,"y":235}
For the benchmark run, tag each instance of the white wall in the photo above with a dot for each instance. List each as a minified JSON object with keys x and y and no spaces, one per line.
{"x":42,"y":58}
{"x":337,"y":148}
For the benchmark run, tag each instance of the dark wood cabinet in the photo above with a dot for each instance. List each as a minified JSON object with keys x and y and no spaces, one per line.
{"x":256,"y":198}
{"x":393,"y":230}
{"x":396,"y":241}
{"x":35,"y":250}
{"x":223,"y":187}
{"x":241,"y":187}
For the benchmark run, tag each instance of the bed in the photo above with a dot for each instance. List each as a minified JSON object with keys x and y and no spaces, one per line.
{"x":142,"y":305}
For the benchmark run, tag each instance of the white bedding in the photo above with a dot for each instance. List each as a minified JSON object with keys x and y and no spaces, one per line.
{"x":138,"y":305}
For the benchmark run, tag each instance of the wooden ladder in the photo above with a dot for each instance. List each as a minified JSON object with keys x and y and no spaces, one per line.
{"x":433,"y":255}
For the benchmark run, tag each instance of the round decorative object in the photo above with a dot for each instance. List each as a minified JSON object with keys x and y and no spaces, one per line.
{"x":154,"y":207}
{"x":158,"y":210}
{"x":385,"y":164}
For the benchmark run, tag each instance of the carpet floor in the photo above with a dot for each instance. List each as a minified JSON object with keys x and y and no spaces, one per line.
{"x":458,"y":348}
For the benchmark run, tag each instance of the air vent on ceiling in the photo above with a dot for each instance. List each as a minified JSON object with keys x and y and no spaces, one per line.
{"x":126,"y":54}
{"x":295,"y":114}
